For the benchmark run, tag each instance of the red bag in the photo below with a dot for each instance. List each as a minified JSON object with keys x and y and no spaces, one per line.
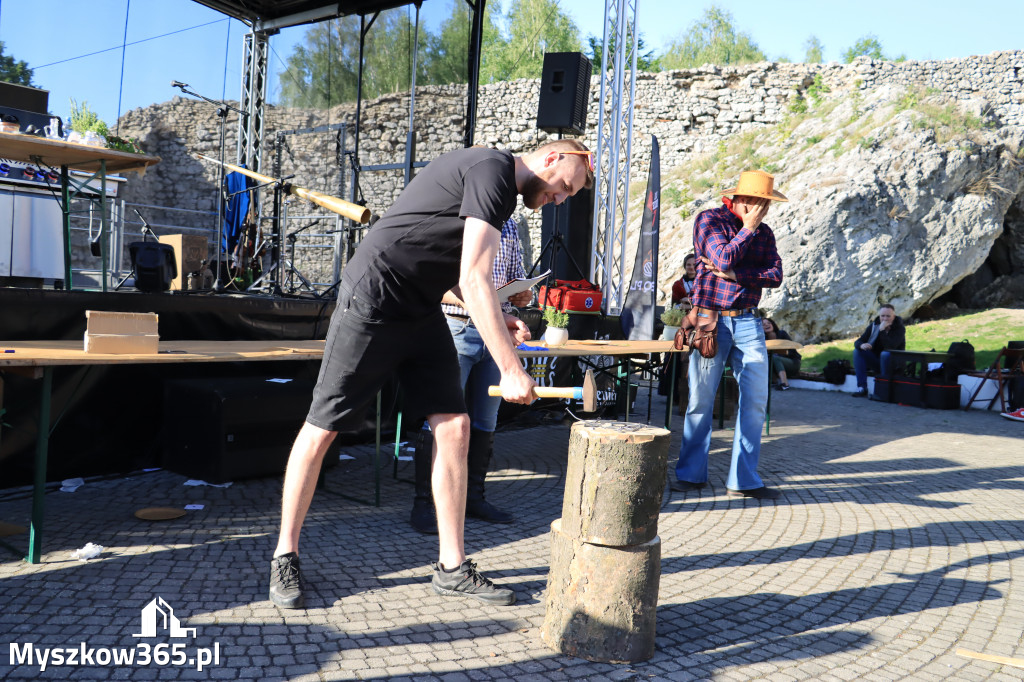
{"x":578,"y":296}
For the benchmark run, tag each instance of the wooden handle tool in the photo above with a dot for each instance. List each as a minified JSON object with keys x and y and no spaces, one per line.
{"x":587,"y":392}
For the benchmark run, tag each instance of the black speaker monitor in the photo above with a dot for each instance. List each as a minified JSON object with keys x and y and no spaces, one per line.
{"x":566,"y":233}
{"x":564,"y":93}
{"x":154,"y":265}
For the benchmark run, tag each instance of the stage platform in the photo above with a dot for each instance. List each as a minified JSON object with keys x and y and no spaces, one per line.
{"x":110,"y":418}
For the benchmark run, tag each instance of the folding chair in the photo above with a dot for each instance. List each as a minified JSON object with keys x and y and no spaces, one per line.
{"x":1012,"y":357}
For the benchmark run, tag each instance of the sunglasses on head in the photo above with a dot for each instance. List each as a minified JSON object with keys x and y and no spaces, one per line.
{"x":588,"y":154}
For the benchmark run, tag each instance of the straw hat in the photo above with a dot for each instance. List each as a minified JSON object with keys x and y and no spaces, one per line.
{"x":756,"y":184}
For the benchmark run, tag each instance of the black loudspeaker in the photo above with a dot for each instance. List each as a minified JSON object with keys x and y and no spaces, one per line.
{"x":564,"y":93}
{"x":566,"y":232}
{"x":225,"y":429}
{"x":154,"y":265}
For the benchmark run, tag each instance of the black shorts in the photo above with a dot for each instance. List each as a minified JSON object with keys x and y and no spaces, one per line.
{"x":364,"y":349}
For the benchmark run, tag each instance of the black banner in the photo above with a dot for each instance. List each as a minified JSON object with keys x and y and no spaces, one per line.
{"x":641,"y":299}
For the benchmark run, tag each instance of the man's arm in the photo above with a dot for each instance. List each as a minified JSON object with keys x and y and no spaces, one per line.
{"x":476,"y":286}
{"x":717,"y":247}
{"x":517,"y":329}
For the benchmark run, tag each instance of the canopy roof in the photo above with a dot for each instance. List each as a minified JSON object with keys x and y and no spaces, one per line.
{"x":281,"y":13}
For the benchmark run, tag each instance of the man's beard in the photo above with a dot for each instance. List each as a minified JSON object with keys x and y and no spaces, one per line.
{"x":533,"y":190}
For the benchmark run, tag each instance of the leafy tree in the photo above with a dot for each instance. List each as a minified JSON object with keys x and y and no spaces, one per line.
{"x":868,"y":46}
{"x":325,"y":70}
{"x":645,"y":59}
{"x":814,"y":50}
{"x":711,"y":40}
{"x":532,"y":27}
{"x":13,"y":70}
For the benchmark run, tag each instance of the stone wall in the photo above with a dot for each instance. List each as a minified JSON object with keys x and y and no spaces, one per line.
{"x":691,"y":112}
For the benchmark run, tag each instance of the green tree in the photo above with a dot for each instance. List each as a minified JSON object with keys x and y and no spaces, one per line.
{"x":449,"y":50}
{"x":869,"y":46}
{"x":531,"y":28}
{"x":712,"y":39}
{"x":814,"y":50}
{"x":645,"y":59}
{"x":325,"y":69}
{"x":13,"y":70}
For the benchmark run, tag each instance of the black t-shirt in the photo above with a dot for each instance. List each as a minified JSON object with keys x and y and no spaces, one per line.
{"x":412,"y":255}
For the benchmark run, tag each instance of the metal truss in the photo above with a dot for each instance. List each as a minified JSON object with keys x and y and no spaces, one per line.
{"x":614,"y":148}
{"x":254,"y":95}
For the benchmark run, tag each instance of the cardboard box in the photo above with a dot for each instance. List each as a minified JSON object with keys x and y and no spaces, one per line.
{"x":121,"y":333}
{"x":190,"y":250}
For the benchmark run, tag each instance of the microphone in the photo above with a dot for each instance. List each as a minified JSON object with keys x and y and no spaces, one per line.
{"x":145,"y":224}
{"x":178,"y":84}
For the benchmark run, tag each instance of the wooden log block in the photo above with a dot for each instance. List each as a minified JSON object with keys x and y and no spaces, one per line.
{"x":614,"y":482}
{"x":602,"y":601}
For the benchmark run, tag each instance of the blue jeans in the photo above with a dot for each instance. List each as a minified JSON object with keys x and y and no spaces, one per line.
{"x":863,"y":360}
{"x":479,"y":371}
{"x":741,"y":343}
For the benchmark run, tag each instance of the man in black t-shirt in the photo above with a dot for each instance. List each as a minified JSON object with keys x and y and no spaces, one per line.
{"x":441,"y":234}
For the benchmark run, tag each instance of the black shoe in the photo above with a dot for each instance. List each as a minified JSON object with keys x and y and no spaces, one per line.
{"x":485,"y":511}
{"x":285,"y":581}
{"x":860,"y":393}
{"x":762,"y":493}
{"x":686,"y":486}
{"x":466,"y":581}
{"x":782,"y":387}
{"x":423,"y":518}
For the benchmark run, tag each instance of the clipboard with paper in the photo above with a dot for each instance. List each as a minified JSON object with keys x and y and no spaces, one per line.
{"x":518,"y":285}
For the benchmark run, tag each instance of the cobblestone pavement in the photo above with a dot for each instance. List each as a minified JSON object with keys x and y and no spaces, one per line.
{"x":898,"y":540}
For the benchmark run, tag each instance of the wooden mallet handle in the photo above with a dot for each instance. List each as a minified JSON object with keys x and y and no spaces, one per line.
{"x":587,"y":392}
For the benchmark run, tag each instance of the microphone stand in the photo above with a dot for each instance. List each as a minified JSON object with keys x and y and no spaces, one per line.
{"x":222,"y":113}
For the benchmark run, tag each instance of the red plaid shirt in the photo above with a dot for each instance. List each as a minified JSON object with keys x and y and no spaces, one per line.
{"x":718,"y":235}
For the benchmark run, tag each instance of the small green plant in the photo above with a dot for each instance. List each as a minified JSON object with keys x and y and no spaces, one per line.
{"x":798,"y":105}
{"x":672,"y":317}
{"x":867,"y":143}
{"x":555,"y":318}
{"x":818,"y":89}
{"x":84,"y":119}
{"x":836,"y":148}
{"x":814,"y":139}
{"x":672,"y":196}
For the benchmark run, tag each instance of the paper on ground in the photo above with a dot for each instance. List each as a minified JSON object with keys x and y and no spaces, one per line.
{"x":195,"y":481}
{"x":90,"y":551}
{"x":70,"y":485}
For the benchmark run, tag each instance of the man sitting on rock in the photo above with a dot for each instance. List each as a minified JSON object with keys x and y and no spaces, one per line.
{"x":871,"y":350}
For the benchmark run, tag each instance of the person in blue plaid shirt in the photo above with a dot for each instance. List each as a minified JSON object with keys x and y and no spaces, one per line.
{"x":736,"y":259}
{"x":478,"y":372}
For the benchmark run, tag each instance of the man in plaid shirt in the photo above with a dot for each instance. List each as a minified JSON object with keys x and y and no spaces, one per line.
{"x":479,"y":372}
{"x":736,"y":259}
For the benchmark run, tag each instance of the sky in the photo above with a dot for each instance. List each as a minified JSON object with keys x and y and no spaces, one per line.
{"x":75,"y":47}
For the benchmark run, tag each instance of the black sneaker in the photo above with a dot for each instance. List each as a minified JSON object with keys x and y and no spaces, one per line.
{"x":782,"y":387}
{"x":860,"y":393}
{"x":466,"y":581}
{"x":285,"y":582}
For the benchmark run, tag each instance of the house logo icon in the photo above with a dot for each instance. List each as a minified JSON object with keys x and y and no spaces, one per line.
{"x":158,"y":614}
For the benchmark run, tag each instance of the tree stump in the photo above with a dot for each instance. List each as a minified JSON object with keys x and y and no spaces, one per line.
{"x":614,"y":482}
{"x":602,"y":594}
{"x":602,"y":601}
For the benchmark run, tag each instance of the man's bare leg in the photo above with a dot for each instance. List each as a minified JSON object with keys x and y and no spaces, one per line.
{"x":448,"y":482}
{"x":453,"y":575}
{"x":299,"y":483}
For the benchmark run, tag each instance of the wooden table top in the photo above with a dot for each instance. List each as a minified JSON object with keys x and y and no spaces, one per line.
{"x":54,"y":353}
{"x":56,"y":153}
{"x":42,"y":353}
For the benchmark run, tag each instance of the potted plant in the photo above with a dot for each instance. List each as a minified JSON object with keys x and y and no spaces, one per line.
{"x":673,"y":318}
{"x":86,"y":126}
{"x":556,"y":333}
